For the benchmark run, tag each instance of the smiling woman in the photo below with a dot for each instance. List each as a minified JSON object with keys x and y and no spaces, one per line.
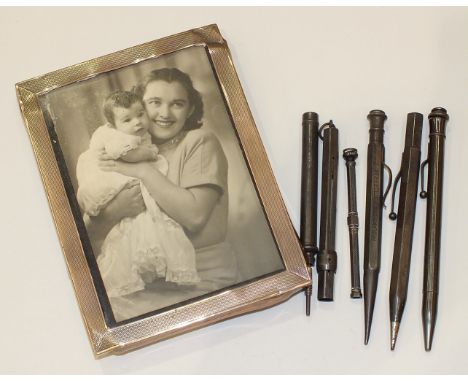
{"x":194,"y":193}
{"x":168,"y":103}
{"x":185,"y":219}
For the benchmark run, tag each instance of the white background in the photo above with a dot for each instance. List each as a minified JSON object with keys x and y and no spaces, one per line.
{"x":338,"y":62}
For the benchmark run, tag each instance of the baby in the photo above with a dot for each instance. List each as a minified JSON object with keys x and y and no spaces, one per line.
{"x":151,"y":245}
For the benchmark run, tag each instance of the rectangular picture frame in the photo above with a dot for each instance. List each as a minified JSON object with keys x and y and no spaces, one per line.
{"x":108,"y":336}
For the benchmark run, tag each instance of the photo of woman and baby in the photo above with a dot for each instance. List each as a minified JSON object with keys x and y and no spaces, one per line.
{"x":156,"y":168}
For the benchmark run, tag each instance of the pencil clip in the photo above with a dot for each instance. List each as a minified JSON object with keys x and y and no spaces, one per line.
{"x":393,"y":215}
{"x":328,"y":124}
{"x":389,"y":185}
{"x":423,"y":194}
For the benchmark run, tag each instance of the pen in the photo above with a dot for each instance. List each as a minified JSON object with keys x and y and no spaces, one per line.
{"x":326,"y":257}
{"x":374,"y":204}
{"x":437,"y":121}
{"x":408,"y":177}
{"x":309,"y":190}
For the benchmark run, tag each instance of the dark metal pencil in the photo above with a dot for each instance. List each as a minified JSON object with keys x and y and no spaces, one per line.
{"x":373,"y":223}
{"x":437,"y":122}
{"x":309,"y":190}
{"x":408,"y":177}
{"x":326,"y":257}
{"x":350,"y":155}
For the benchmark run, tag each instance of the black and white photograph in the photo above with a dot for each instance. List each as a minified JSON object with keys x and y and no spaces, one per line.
{"x":200,"y":189}
{"x":158,"y":183}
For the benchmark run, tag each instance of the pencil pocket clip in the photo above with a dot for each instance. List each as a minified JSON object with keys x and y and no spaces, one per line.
{"x":389,"y":185}
{"x":393,"y":215}
{"x":324,"y":126}
{"x":423,"y":193}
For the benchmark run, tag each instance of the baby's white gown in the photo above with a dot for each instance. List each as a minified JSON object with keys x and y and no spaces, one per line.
{"x":139,"y":249}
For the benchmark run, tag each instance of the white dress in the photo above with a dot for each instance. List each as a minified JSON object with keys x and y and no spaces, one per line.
{"x":139,"y":249}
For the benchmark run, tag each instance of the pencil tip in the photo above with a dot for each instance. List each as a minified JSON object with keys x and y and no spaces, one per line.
{"x":429,"y":315}
{"x":395,"y":326}
{"x":428,"y":335}
{"x":367,"y":329}
{"x":308,"y":294}
{"x":370,"y":291}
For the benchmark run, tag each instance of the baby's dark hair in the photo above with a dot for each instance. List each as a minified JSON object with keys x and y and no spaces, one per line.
{"x":119,"y":98}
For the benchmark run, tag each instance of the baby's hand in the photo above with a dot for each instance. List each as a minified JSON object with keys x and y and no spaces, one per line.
{"x":141,"y":154}
{"x":102,"y":155}
{"x":154,"y":149}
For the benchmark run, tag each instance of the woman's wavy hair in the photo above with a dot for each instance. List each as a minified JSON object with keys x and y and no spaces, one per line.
{"x":194,"y":121}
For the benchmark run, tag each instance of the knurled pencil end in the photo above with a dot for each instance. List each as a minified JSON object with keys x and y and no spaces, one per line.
{"x":356,"y":293}
{"x":394,"y":327}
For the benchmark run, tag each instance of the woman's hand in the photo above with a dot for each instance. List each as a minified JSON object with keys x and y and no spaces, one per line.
{"x":126,"y":204}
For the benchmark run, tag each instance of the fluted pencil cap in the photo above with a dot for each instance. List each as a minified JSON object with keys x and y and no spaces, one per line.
{"x":310,"y":116}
